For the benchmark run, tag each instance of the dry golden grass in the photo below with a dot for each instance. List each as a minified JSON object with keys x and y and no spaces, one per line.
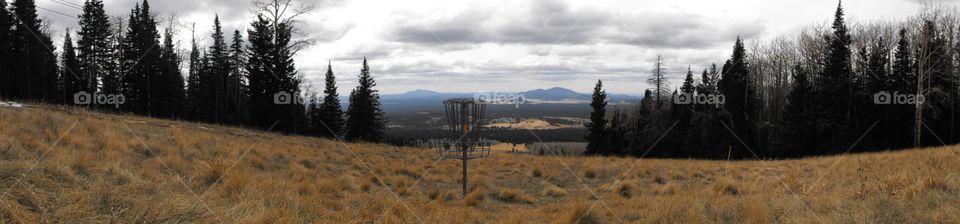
{"x":126,"y":169}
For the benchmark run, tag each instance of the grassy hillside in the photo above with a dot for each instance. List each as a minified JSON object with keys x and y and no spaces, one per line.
{"x":67,"y":165}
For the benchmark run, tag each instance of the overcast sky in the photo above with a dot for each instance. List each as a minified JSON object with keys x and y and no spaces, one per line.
{"x":509,"y":45}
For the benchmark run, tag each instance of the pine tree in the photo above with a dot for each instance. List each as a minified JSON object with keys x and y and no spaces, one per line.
{"x":94,"y":45}
{"x":69,"y":80}
{"x":642,"y":121}
{"x":235,"y":85}
{"x":364,"y":116}
{"x":35,"y":67}
{"x":706,"y":137}
{"x":272,"y":72}
{"x":314,"y":118}
{"x":904,"y":81}
{"x":877,"y":81}
{"x":800,"y":116}
{"x":708,"y":81}
{"x":740,"y":106}
{"x":834,"y":88}
{"x":262,"y":84}
{"x":683,"y":114}
{"x":596,"y":140}
{"x":193,"y":82}
{"x":688,"y":82}
{"x":616,"y":138}
{"x":112,"y":78}
{"x":703,"y":87}
{"x":877,"y":61}
{"x":213,"y":82}
{"x":169,"y":102}
{"x":860,"y":100}
{"x":7,"y":81}
{"x":330,"y":111}
{"x":141,"y":82}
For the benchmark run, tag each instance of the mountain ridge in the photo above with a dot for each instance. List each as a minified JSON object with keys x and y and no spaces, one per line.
{"x":540,"y":95}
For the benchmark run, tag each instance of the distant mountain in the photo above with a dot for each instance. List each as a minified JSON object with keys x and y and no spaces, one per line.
{"x":416,"y":94}
{"x":555,"y":95}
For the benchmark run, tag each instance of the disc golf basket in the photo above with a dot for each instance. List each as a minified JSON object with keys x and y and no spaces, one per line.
{"x":464,"y":140}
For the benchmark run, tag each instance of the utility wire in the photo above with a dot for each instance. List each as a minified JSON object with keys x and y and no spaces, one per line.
{"x":71,"y":4}
{"x":57,"y":12}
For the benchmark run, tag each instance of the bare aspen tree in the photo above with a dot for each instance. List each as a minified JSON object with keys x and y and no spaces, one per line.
{"x":286,"y":13}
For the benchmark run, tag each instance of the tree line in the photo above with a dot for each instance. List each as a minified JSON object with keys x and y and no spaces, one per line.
{"x":131,"y":66}
{"x":871,"y":86}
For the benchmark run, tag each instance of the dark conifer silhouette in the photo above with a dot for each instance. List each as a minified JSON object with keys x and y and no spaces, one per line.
{"x":34,"y":67}
{"x":96,"y":50}
{"x":274,"y":83}
{"x":141,"y":82}
{"x":834,"y":88}
{"x":904,"y":81}
{"x":235,"y":85}
{"x":111,"y":79}
{"x":194,"y":88}
{"x":877,"y":80}
{"x":364,"y":117}
{"x":171,"y":92}
{"x":213,"y":79}
{"x":683,"y":114}
{"x":597,"y":140}
{"x":801,"y":115}
{"x":69,"y":81}
{"x":330,"y":112}
{"x":740,"y":107}
{"x":7,"y":22}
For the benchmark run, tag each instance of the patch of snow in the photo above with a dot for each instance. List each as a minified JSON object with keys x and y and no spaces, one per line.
{"x":11,"y":104}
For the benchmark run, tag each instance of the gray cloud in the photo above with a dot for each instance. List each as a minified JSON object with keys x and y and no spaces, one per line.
{"x":679,"y":31}
{"x":326,"y":32}
{"x":542,"y":21}
{"x":510,"y":45}
{"x":550,"y":22}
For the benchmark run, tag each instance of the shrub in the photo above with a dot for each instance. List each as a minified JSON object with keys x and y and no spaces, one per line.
{"x":211,"y":172}
{"x":445,"y":197}
{"x":553,"y":191}
{"x":727,"y":188}
{"x":579,"y":213}
{"x":513,"y":196}
{"x":590,"y":173}
{"x":626,"y":189}
{"x":474,"y":198}
{"x":659,"y":179}
{"x":536,"y":172}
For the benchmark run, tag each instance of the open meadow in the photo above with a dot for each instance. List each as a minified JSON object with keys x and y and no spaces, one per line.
{"x":66,"y":165}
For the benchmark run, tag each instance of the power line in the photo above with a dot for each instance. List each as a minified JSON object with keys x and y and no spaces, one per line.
{"x":78,"y":5}
{"x":67,"y":4}
{"x":75,"y":5}
{"x":57,"y":12}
